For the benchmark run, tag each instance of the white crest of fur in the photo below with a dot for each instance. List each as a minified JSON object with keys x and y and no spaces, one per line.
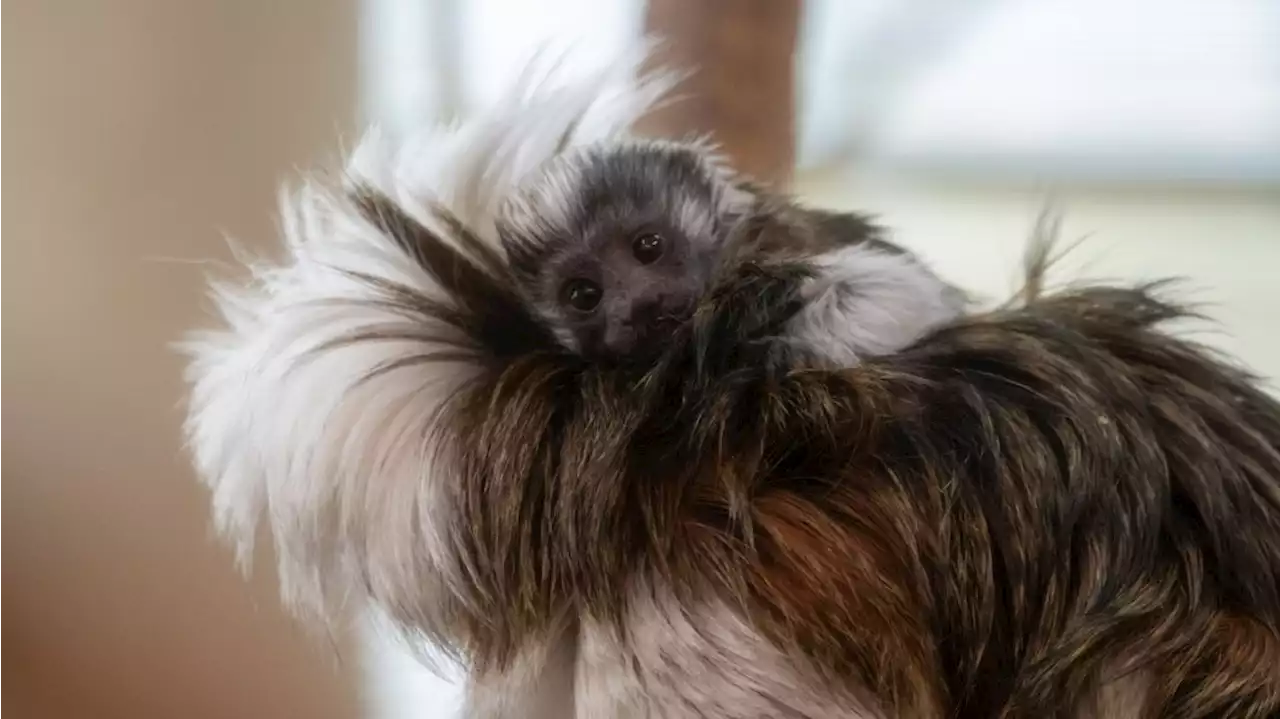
{"x":476,"y":166}
{"x":283,"y":424}
{"x":864,"y":301}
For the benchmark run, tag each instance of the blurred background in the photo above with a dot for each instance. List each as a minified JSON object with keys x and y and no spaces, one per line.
{"x":144,"y":132}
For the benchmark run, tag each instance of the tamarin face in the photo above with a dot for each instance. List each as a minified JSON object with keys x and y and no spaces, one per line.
{"x":614,"y":245}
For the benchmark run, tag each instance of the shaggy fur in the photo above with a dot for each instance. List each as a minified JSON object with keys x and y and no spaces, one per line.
{"x":1052,"y":509}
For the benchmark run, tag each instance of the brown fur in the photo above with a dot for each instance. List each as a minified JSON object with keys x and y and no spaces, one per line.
{"x":1011,"y":518}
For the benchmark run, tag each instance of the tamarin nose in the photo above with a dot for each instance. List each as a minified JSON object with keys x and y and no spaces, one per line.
{"x":647,"y":312}
{"x":620,"y":338}
{"x":630,"y":324}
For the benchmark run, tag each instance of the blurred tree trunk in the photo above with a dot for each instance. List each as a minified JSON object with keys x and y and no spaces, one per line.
{"x":741,"y":53}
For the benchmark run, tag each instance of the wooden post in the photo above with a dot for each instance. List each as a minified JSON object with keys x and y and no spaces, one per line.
{"x":741,"y":53}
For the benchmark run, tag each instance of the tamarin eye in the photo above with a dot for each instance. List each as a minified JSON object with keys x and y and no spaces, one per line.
{"x":647,"y":248}
{"x":582,"y":295}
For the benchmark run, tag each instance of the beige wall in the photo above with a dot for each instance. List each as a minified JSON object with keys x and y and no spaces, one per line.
{"x":137,"y":131}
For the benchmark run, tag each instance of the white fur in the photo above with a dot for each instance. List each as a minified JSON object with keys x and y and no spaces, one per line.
{"x":865,"y":301}
{"x":539,"y":685}
{"x":676,"y":660}
{"x":347,"y":473}
{"x":476,"y":167}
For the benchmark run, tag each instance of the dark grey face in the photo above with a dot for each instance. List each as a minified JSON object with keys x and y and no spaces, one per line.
{"x":616,"y":246}
{"x":631,"y":284}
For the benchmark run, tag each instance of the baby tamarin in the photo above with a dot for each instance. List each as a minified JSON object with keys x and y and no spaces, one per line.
{"x":616,"y":243}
